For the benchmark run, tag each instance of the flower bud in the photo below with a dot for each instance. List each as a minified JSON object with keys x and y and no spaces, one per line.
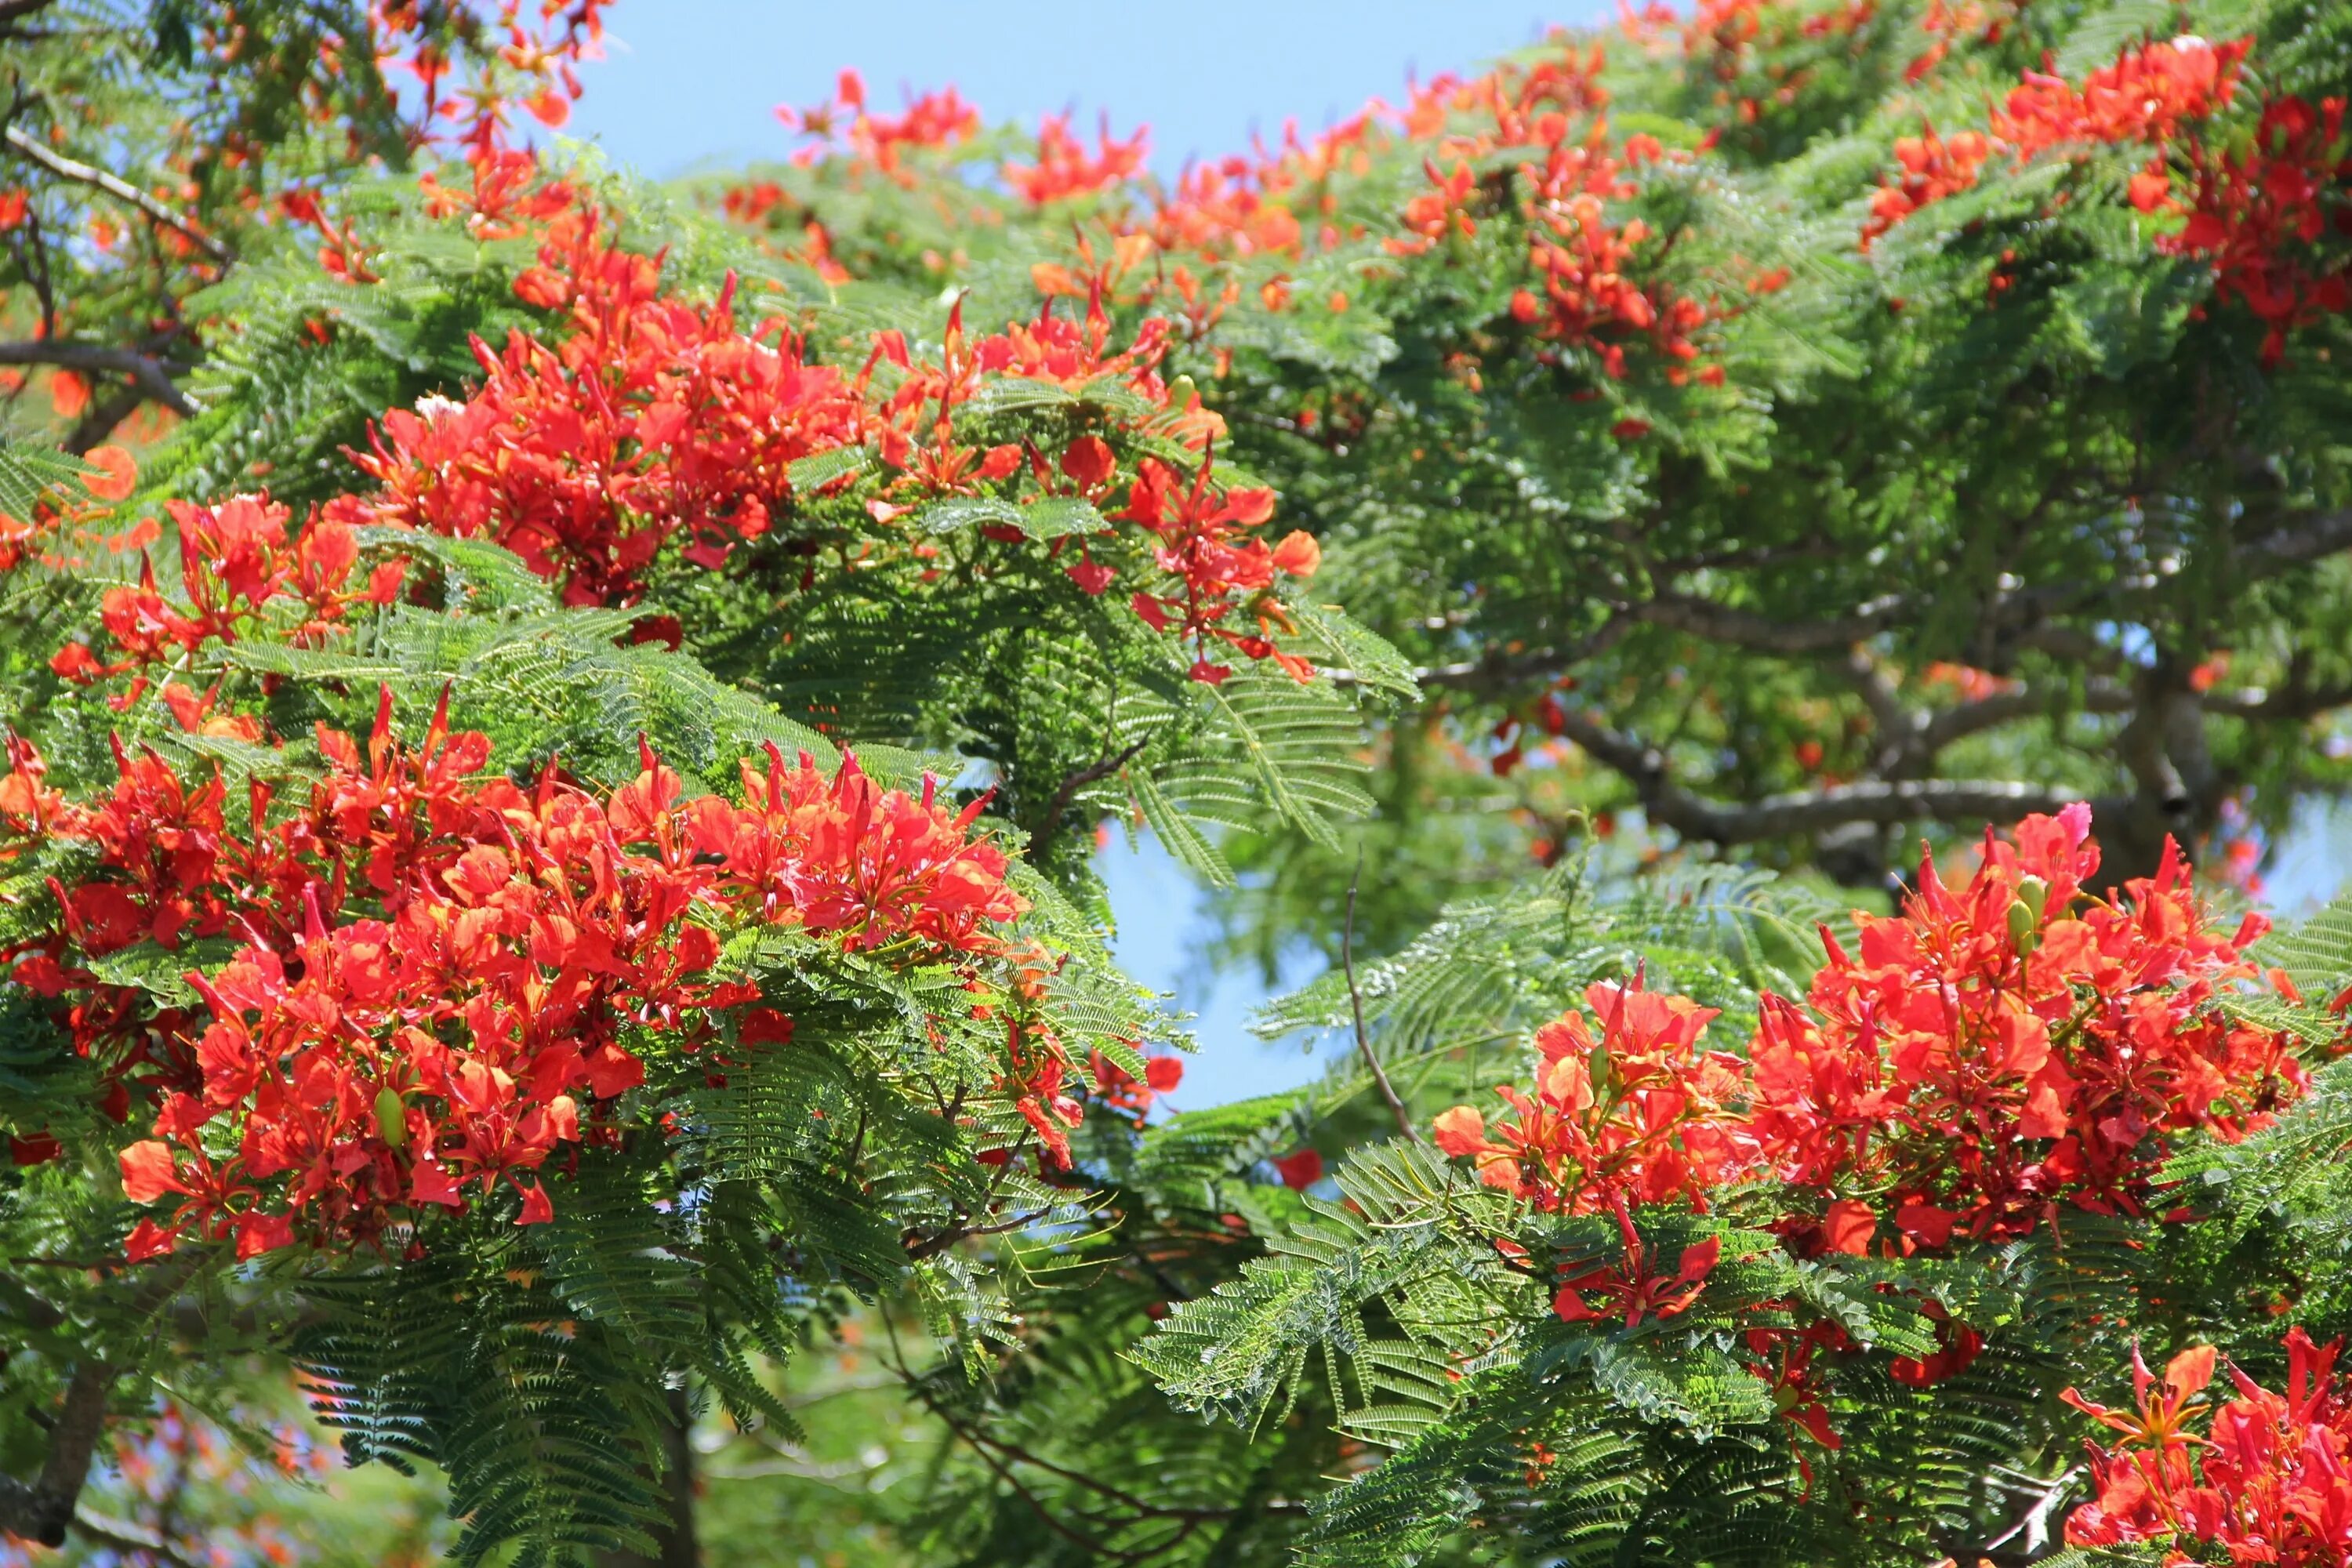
{"x":2034,"y":894}
{"x":391,"y":1117}
{"x":2024,"y":928}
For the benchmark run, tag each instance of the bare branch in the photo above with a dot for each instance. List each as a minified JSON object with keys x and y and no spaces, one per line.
{"x":153,"y":375}
{"x":1744,"y":628}
{"x":123,"y":1536}
{"x":1497,"y":672}
{"x":42,"y":1510}
{"x":1091,"y":773}
{"x":1966,"y":719}
{"x":114,"y":185}
{"x":2324,"y":533}
{"x":2289,"y":701}
{"x":1884,"y":802}
{"x":1897,"y":725}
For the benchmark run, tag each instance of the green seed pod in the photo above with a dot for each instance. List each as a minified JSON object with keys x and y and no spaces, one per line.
{"x":2023,"y":928}
{"x":391,"y":1117}
{"x":2034,"y":894}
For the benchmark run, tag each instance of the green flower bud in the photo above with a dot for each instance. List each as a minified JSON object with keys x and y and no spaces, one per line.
{"x":2024,"y":928}
{"x":391,"y":1117}
{"x":2034,"y":894}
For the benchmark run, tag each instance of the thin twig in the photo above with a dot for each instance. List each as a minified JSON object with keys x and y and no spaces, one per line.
{"x":114,"y":185}
{"x":1091,"y":773}
{"x":1356,"y":1003}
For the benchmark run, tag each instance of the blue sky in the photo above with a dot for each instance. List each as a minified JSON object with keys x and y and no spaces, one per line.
{"x":688,"y":82}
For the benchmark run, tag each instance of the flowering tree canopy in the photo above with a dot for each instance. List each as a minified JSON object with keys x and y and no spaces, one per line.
{"x":557,"y":730}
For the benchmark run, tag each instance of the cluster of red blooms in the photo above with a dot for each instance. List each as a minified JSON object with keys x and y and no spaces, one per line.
{"x":1586,"y":293}
{"x":2253,"y":209}
{"x":1638,"y":1114}
{"x":58,"y":512}
{"x":842,"y":125}
{"x":1202,"y":543}
{"x":1994,"y":1051}
{"x":1281,"y":202}
{"x":2256,"y":212}
{"x":1949,"y":23}
{"x":443,"y":974}
{"x":1065,"y":169}
{"x":2269,"y":1481}
{"x":1933,"y":167}
{"x":654,"y":420}
{"x":2151,"y":97}
{"x":536,"y":64}
{"x":238,"y":570}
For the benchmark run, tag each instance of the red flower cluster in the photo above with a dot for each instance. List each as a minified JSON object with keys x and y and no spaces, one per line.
{"x":536,"y":64}
{"x":1933,"y":167}
{"x":2149,"y":95}
{"x":1949,"y":23}
{"x":59,"y":513}
{"x":1639,"y":1115}
{"x":1996,"y":1047}
{"x":2153,"y":96}
{"x":1994,"y":1051}
{"x":237,"y":570}
{"x":1583,"y":261}
{"x":1122,"y":1091}
{"x":1201,"y":529}
{"x":2270,"y":1480}
{"x":446,"y":978}
{"x":847,"y":860}
{"x":654,"y":419}
{"x":1065,"y":169}
{"x":2257,"y":211}
{"x":842,"y":125}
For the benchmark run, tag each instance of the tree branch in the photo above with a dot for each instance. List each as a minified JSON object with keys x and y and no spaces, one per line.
{"x":127,"y":1538}
{"x":2322,"y":534}
{"x":1966,"y":719}
{"x":1885,"y":802}
{"x":114,"y":185}
{"x":43,"y":1511}
{"x":1743,"y":628}
{"x":1091,"y":773}
{"x":153,"y":375}
{"x":2290,"y":701}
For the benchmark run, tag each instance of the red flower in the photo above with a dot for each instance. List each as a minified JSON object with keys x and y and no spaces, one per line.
{"x":1630,"y":1287}
{"x":1301,"y":1169}
{"x":2267,"y":1482}
{"x":1638,"y":1116}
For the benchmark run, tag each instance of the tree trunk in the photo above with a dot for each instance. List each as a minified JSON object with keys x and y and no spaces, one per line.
{"x":673,"y":1542}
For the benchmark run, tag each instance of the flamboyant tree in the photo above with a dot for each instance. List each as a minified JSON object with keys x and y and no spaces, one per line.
{"x":545,"y":843}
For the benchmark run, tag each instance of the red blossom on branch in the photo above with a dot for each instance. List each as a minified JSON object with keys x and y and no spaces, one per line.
{"x":2267,"y":1480}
